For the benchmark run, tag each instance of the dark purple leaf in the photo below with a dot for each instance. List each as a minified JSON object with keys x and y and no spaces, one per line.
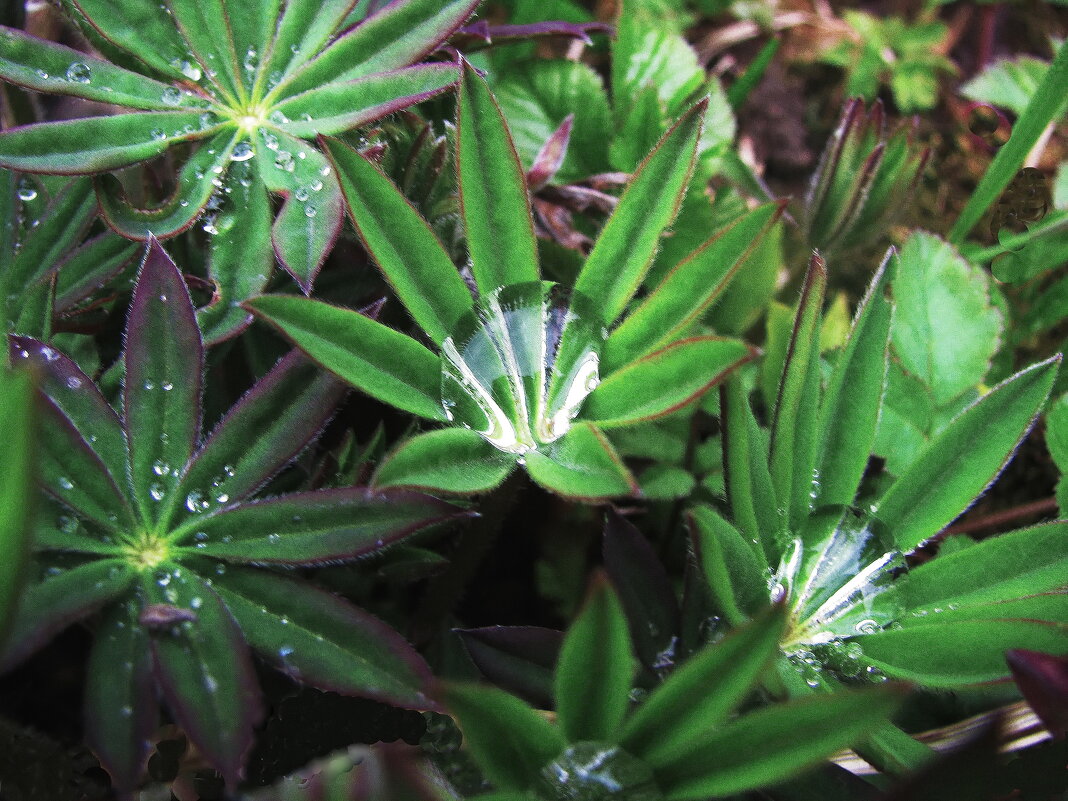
{"x":551,"y":156}
{"x":519,"y":659}
{"x":1043,"y":680}
{"x":482,"y":33}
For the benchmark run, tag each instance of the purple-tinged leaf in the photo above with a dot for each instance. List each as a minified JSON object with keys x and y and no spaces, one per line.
{"x":311,"y":216}
{"x":582,"y":465}
{"x":644,"y":589}
{"x":337,"y":107}
{"x":49,"y":67}
{"x":493,"y":194}
{"x":205,"y":670}
{"x":319,"y":638}
{"x":88,"y":267}
{"x":261,"y":433}
{"x":481,"y":32}
{"x":398,"y":35}
{"x":306,"y":528}
{"x":519,"y":659}
{"x":142,"y":29}
{"x":206,"y":26}
{"x":161,"y":395}
{"x":75,"y":395}
{"x":252,"y":25}
{"x":121,"y":711}
{"x":551,"y":156}
{"x":178,"y":212}
{"x":99,"y":144}
{"x":1043,"y":680}
{"x":302,"y":31}
{"x":48,"y":607}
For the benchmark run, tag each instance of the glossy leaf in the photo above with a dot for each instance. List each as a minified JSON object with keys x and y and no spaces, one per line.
{"x":402,"y":243}
{"x":772,"y":744}
{"x":700,"y":695}
{"x":731,"y":563}
{"x":626,"y":245}
{"x":313,"y":527}
{"x":373,"y":358}
{"x":959,"y":464}
{"x":204,"y":669}
{"x":510,"y":741}
{"x":453,"y":460}
{"x":595,"y":668}
{"x":519,"y":659}
{"x":317,"y":637}
{"x":582,"y":465}
{"x":164,"y":360}
{"x":141,"y":29}
{"x":302,"y":31}
{"x":664,"y":381}
{"x":211,"y":42}
{"x":16,"y":487}
{"x":493,"y":193}
{"x":849,"y":413}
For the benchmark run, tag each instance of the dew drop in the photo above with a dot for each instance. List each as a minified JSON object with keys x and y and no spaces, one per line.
{"x":302,"y":194}
{"x":310,"y":211}
{"x":284,"y":161}
{"x":26,"y":191}
{"x":171,"y":96}
{"x":161,"y":468}
{"x":73,"y":382}
{"x":65,"y":483}
{"x":79,"y":72}
{"x":191,"y":71}
{"x":243,"y":151}
{"x":157,"y":491}
{"x":273,"y":538}
{"x":166,"y":386}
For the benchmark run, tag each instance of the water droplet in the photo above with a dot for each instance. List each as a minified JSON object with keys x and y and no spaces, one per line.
{"x":325,"y":170}
{"x":220,"y":569}
{"x":191,"y":71}
{"x":270,"y":140}
{"x":310,"y":211}
{"x":79,"y":72}
{"x":302,"y":194}
{"x":26,"y":191}
{"x":195,"y":502}
{"x":161,"y":468}
{"x":284,"y":161}
{"x":222,"y":498}
{"x":207,"y":120}
{"x":157,"y":491}
{"x":229,"y":470}
{"x":171,"y":96}
{"x":285,"y":651}
{"x":278,"y":118}
{"x":73,"y":382}
{"x":867,"y":626}
{"x":316,"y":185}
{"x":196,"y":602}
{"x":42,"y":74}
{"x":166,"y":386}
{"x":273,"y":538}
{"x":65,"y":483}
{"x":49,"y":354}
{"x":149,"y":386}
{"x":210,"y":684}
{"x":243,"y":151}
{"x":126,"y":711}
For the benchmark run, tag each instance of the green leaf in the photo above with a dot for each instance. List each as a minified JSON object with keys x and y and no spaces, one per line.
{"x":99,"y":144}
{"x":373,"y":358}
{"x":88,"y":267}
{"x":16,"y":487}
{"x":204,"y":668}
{"x":626,"y":245}
{"x":961,"y":462}
{"x":252,"y":26}
{"x":688,"y":290}
{"x":509,"y":740}
{"x":960,"y":652}
{"x":1007,"y":83}
{"x":312,"y":527}
{"x":645,"y":55}
{"x":665,"y":380}
{"x":772,"y":744}
{"x":493,"y":192}
{"x":945,"y":329}
{"x":582,"y":465}
{"x":49,"y":67}
{"x":734,"y":566}
{"x":205,"y":26}
{"x":792,"y":455}
{"x":316,"y":637}
{"x":402,"y":243}
{"x":849,"y":414}
{"x":1045,"y":106}
{"x":700,"y":695}
{"x":164,"y":361}
{"x":140,"y":28}
{"x":122,"y":712}
{"x":453,"y":460}
{"x":595,"y":668}
{"x":302,"y":31}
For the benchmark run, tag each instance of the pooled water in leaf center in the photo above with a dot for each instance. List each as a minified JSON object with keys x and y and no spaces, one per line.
{"x":519,"y":366}
{"x":592,"y":771}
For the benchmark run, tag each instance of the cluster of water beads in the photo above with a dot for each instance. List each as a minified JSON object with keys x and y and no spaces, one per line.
{"x":593,"y":771}
{"x":519,"y":366}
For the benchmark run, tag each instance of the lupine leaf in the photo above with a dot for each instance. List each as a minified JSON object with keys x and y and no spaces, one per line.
{"x":732,"y":564}
{"x":664,"y":380}
{"x":595,"y":668}
{"x":88,"y":267}
{"x":142,"y":29}
{"x":16,"y":487}
{"x":411,"y":257}
{"x":698,"y":697}
{"x":204,"y":25}
{"x":582,"y":464}
{"x":519,"y":659}
{"x":493,"y":193}
{"x":772,"y":744}
{"x":688,"y":290}
{"x":97,"y":144}
{"x":121,"y":711}
{"x":204,"y":669}
{"x":251,"y":27}
{"x":302,"y":31}
{"x":373,"y":358}
{"x":164,"y":361}
{"x":454,"y":460}
{"x":957,"y":466}
{"x":510,"y":741}
{"x":310,"y":527}
{"x":317,"y":637}
{"x":51,"y":605}
{"x":627,"y":243}
{"x":263,"y":431}
{"x":849,"y":413}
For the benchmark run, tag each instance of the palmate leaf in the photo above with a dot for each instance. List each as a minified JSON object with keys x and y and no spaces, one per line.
{"x":453,"y":460}
{"x":582,"y":465}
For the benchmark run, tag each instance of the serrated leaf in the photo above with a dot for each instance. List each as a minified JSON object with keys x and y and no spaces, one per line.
{"x":595,"y":668}
{"x":317,"y":637}
{"x":955,"y":468}
{"x":698,"y":697}
{"x":312,"y":527}
{"x":510,"y":741}
{"x":664,"y":380}
{"x":402,"y":243}
{"x":373,"y":358}
{"x":493,"y":192}
{"x":164,"y":365}
{"x":582,"y":465}
{"x":453,"y":460}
